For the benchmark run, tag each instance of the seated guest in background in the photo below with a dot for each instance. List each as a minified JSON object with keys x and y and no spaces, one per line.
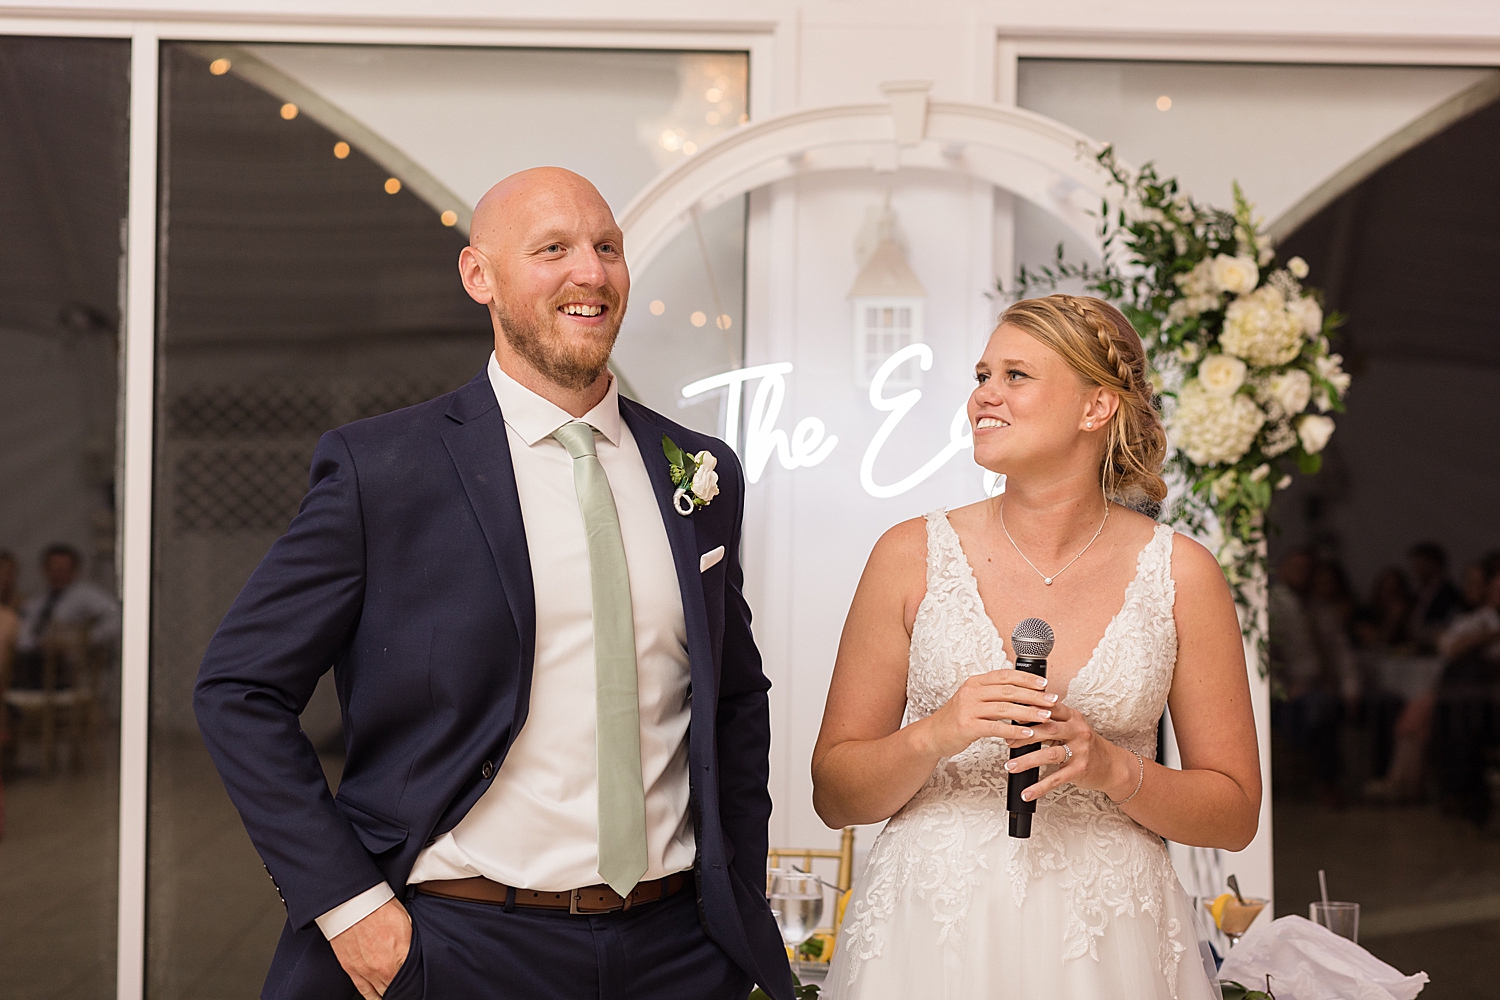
{"x":68,"y":601}
{"x":1467,"y":712}
{"x":1311,"y":704}
{"x":1477,"y":629}
{"x":1391,"y":604}
{"x":1437,"y":599}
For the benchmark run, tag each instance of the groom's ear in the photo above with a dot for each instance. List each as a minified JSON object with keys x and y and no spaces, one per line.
{"x":477,"y":276}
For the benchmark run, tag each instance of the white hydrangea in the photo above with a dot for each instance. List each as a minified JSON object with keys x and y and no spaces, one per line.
{"x":1308,"y":313}
{"x":1198,"y":281}
{"x":1314,"y":431}
{"x":1212,"y":429}
{"x":1221,"y":374}
{"x":1237,"y":275}
{"x":1258,"y":328}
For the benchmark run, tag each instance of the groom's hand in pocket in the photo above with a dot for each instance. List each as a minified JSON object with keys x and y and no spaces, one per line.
{"x":1000,"y":703}
{"x":373,"y":950}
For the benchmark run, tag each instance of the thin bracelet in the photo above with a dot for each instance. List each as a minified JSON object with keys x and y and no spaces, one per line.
{"x":1138,"y":781}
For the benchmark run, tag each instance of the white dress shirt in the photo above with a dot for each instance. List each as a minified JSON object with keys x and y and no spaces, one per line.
{"x":536,"y":826}
{"x":80,"y":603}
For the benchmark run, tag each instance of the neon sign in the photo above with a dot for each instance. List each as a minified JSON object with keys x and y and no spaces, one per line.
{"x":809,"y":442}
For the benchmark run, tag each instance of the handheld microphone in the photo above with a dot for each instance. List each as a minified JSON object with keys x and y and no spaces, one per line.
{"x":1032,"y":641}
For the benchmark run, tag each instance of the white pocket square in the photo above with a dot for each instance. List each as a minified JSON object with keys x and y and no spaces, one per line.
{"x":710,"y":558}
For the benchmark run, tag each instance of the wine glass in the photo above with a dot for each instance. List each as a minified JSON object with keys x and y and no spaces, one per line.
{"x":797,"y":903}
{"x":1236,"y":915}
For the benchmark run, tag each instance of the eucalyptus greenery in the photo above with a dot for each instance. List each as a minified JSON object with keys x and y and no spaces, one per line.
{"x":1239,"y":352}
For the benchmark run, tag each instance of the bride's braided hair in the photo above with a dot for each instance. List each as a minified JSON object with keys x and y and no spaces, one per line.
{"x":1099,"y":343}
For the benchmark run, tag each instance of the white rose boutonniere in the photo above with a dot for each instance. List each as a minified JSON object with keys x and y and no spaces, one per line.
{"x":693,"y":476}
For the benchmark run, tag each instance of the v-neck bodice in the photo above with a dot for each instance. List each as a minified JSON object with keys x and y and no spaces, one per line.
{"x":1085,"y":856}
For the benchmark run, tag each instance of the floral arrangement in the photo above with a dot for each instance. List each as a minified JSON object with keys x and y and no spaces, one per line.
{"x":1240,"y":354}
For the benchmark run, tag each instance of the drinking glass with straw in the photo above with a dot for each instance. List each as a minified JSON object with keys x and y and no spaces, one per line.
{"x":1341,"y":918}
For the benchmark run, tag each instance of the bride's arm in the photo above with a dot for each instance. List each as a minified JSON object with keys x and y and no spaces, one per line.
{"x":865,"y":765}
{"x":1214,"y":801}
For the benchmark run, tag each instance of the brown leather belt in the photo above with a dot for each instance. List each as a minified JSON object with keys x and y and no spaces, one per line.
{"x":590,"y":899}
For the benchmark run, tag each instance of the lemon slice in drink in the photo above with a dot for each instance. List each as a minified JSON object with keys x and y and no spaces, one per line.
{"x":1216,"y":908}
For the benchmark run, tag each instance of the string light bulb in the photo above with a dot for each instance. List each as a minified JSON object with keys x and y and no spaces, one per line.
{"x":1163,"y":103}
{"x":219,"y":67}
{"x":341,"y":150}
{"x":288,"y":111}
{"x":449,"y":218}
{"x":658,"y":307}
{"x":698,"y":318}
{"x":392,"y":185}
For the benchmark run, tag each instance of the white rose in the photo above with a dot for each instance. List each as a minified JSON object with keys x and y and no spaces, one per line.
{"x":1331,"y":369}
{"x":1213,"y":430}
{"x":1189,"y":351}
{"x":1222,"y":375}
{"x":1258,"y":328}
{"x":1239,"y":275}
{"x":1308,"y":313}
{"x":1199,"y":281}
{"x":1298,"y":267}
{"x":1291,"y":390}
{"x":1314,"y":432}
{"x":705,"y":479}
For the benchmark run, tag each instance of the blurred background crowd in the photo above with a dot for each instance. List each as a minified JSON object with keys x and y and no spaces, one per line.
{"x":1391,"y":695}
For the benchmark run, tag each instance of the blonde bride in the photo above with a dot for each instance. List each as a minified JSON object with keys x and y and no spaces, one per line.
{"x":925,"y":708}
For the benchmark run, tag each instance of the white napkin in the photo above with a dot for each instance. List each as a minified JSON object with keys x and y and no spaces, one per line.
{"x":1307,"y":961}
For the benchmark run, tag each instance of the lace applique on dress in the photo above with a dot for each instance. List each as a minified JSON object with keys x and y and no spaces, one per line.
{"x":940,"y":845}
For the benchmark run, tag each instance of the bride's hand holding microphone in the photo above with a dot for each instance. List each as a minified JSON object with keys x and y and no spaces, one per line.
{"x":1085,"y":758}
{"x":1009,"y":704}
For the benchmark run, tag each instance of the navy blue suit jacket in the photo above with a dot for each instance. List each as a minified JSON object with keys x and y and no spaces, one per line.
{"x":406,"y":571}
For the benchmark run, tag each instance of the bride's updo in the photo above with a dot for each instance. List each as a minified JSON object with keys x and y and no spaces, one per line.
{"x":1099,"y":343}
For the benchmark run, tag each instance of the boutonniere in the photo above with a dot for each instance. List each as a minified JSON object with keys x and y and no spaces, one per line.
{"x":694,"y":476}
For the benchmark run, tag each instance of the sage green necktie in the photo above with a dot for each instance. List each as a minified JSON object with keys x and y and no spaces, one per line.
{"x":622,"y":798}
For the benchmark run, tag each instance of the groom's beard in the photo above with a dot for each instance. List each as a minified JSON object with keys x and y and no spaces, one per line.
{"x":571,"y":362}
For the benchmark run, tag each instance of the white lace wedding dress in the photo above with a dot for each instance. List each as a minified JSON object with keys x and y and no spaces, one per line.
{"x":1089,"y":908}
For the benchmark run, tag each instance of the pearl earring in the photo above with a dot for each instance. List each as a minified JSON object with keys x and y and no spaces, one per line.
{"x":1089,"y":425}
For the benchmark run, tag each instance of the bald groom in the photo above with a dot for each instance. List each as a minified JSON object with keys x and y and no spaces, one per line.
{"x":554,"y":711}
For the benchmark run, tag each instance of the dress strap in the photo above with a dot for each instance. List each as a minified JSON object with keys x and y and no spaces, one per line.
{"x":1157,"y":565}
{"x":942,"y":548}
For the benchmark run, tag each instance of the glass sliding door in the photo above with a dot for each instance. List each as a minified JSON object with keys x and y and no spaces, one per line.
{"x":63,"y":154}
{"x":314,"y":202}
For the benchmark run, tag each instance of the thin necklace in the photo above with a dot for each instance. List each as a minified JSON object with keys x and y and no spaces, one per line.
{"x":1045,"y":578}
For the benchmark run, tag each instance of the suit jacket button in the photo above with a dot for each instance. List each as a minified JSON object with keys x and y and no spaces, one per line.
{"x":488,"y":770}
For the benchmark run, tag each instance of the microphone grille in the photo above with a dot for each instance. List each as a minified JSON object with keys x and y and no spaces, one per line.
{"x":1032,"y":637}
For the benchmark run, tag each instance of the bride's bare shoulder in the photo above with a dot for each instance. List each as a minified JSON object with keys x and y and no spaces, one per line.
{"x":902,"y":545}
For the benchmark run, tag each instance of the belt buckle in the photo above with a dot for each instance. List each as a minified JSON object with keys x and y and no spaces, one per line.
{"x":573,"y":903}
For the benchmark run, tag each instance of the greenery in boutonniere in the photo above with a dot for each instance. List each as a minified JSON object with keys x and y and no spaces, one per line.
{"x":1240,"y":353}
{"x":693,"y":476}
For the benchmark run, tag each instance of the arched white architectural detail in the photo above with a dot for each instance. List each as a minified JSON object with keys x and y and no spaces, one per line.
{"x":1459,"y":106}
{"x":1032,"y":156}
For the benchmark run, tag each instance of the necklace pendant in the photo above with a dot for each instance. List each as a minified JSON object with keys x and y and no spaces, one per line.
{"x":1047,"y":580}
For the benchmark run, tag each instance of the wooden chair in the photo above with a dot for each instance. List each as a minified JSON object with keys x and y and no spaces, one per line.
{"x":68,"y":699}
{"x":845,"y":857}
{"x":844,"y":854}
